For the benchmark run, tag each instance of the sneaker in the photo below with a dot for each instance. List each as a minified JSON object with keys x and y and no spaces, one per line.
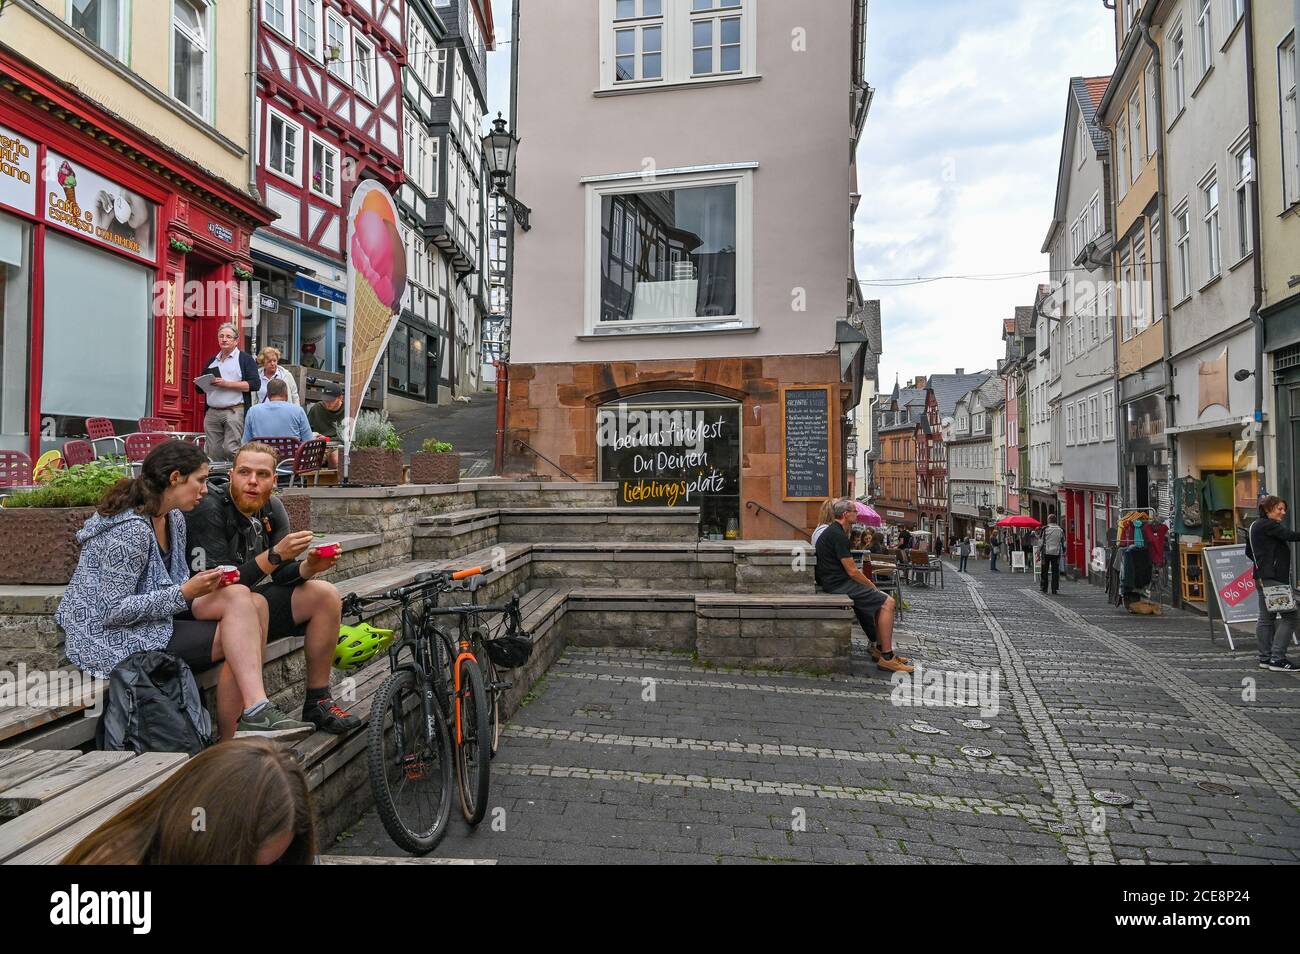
{"x":326,"y":715}
{"x":897,"y":664}
{"x":1285,"y":665}
{"x":273,"y":723}
{"x":1263,"y":663}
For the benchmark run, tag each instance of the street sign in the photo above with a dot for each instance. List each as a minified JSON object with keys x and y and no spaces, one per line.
{"x":1231,"y":577}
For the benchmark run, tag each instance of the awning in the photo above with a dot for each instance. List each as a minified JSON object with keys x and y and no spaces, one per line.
{"x":1223,"y":423}
{"x":282,"y":264}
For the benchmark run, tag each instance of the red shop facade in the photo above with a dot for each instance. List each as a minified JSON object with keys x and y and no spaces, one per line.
{"x":118,"y":260}
{"x":1086,"y":514}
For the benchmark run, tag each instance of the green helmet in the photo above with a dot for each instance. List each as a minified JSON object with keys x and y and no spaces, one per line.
{"x":359,"y":644}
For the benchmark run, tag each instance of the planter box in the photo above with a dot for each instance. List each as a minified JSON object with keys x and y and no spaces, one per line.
{"x":40,"y":544}
{"x":435,"y":468}
{"x":298,"y":507}
{"x":375,"y":467}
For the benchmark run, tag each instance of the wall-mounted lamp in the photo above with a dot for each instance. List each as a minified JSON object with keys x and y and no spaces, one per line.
{"x":1243,"y":374}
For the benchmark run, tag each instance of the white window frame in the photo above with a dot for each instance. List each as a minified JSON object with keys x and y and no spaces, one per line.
{"x":1243,"y":164}
{"x":1126,"y":293}
{"x":1142,"y":313}
{"x":743,"y":181}
{"x":1204,"y":36}
{"x":1069,"y":425}
{"x":316,"y":7}
{"x":677,"y":54}
{"x":1094,"y":431}
{"x":1122,"y":167}
{"x":1178,"y":68}
{"x":435,"y":168}
{"x":1137,"y":142}
{"x":334,"y":196}
{"x":366,"y":64}
{"x":1069,"y":340}
{"x":1104,"y":310}
{"x":1108,"y":414}
{"x":340,"y":69}
{"x":1082,"y":140}
{"x":440,"y":72}
{"x":285,"y":8}
{"x":637,"y":25}
{"x":1149,"y":79}
{"x":272,"y":114}
{"x":1236,"y":10}
{"x":1183,"y":248}
{"x":1290,"y":119}
{"x":715,"y":15}
{"x":206,"y":7}
{"x":1212,"y":224}
{"x":123,"y":33}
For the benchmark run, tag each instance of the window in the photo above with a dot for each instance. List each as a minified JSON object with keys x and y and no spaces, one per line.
{"x":650,"y":42}
{"x":1204,"y":37}
{"x":1290,"y":138}
{"x":1081,"y":141}
{"x":1080,"y":338}
{"x":440,"y":85}
{"x":1236,"y":10}
{"x":309,"y":27}
{"x":1094,"y":332}
{"x":1245,"y":215}
{"x":100,"y":22}
{"x":324,"y":170}
{"x":282,"y":144}
{"x":1126,"y":293}
{"x":190,"y":54}
{"x":715,"y":40}
{"x":1069,"y":339}
{"x":1122,"y":167}
{"x":1141,"y":283}
{"x":1177,"y":69}
{"x":1157,"y":274}
{"x":363,"y":70}
{"x":1152,"y":111}
{"x":1069,"y":425}
{"x":434,"y":142}
{"x":1135,"y":139}
{"x":1108,"y":415}
{"x":1183,"y":253}
{"x":1106,"y":311}
{"x":1081,"y":419}
{"x":638,"y":40}
{"x":336,"y":42}
{"x":1210,"y":218}
{"x":1094,"y":431}
{"x":274,"y":15}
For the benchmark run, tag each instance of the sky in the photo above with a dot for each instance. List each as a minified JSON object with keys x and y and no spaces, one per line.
{"x":957,"y":165}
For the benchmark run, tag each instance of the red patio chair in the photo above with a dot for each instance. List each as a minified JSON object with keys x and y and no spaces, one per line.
{"x":78,"y":452}
{"x":284,"y":446}
{"x":150,"y":425}
{"x":101,"y":429}
{"x":15,"y":469}
{"x":308,"y":458}
{"x":138,"y":446}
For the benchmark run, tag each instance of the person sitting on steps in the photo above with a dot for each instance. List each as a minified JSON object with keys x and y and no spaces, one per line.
{"x":836,"y":572}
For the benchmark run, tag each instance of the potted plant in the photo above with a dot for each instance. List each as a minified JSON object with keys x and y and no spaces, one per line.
{"x":39,"y":526}
{"x":376,"y":458}
{"x":436,"y":463}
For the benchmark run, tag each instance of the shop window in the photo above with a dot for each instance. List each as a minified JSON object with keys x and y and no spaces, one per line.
{"x":103,"y":312}
{"x":399,"y":359}
{"x":15,"y":311}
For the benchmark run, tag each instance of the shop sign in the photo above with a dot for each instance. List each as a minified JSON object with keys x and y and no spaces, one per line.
{"x":670,"y":457}
{"x":17,"y":171}
{"x":268,"y":303}
{"x":896,"y":513}
{"x":221,"y":233}
{"x":1145,"y":420}
{"x":320,"y":291}
{"x":100,"y":209}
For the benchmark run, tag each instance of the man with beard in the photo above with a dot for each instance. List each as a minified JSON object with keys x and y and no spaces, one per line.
{"x":245,"y":527}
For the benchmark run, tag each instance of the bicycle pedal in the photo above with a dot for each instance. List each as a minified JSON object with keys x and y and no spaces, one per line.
{"x":500,"y":686}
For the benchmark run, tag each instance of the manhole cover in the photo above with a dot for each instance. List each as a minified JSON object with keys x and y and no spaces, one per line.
{"x":975,"y":752}
{"x":1112,"y":798}
{"x":1060,"y":828}
{"x":1216,"y":788}
{"x":925,"y":728}
{"x":975,"y":724}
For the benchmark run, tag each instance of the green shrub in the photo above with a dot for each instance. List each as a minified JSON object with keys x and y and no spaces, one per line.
{"x":374,"y":429}
{"x":80,"y":486}
{"x":435,"y":446}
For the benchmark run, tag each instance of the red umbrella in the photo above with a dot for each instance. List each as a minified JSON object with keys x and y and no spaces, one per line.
{"x":1019,"y":520}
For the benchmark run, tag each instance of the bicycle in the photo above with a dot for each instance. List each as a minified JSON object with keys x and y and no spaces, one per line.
{"x":435,"y":702}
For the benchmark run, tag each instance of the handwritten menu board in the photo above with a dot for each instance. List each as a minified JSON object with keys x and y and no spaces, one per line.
{"x":806,"y":443}
{"x":1230,"y":576}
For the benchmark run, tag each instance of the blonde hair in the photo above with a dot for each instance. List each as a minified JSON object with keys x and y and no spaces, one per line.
{"x":267,"y":352}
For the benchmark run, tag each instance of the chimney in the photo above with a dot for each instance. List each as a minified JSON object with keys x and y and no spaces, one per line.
{"x":919,"y":383}
{"x":961,"y":371}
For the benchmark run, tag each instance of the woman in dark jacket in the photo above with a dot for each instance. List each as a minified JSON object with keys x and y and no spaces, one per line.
{"x":1268,"y":545}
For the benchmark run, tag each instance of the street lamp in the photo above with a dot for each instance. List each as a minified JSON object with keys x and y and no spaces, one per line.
{"x":500,"y":150}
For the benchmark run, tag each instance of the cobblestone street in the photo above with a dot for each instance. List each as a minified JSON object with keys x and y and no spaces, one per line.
{"x":638,"y":756}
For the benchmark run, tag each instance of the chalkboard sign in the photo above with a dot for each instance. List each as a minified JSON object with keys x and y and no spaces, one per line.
{"x":806,"y":443}
{"x":1230,"y":574}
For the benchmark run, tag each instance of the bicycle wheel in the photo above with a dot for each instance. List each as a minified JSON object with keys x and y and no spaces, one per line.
{"x":474,"y":747}
{"x":491,"y":678}
{"x":410,"y":765}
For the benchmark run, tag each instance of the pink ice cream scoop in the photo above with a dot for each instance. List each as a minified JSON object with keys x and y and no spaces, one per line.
{"x":380,"y":256}
{"x":65,"y":170}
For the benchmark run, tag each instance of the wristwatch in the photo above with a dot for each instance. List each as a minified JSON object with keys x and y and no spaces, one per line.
{"x":274,"y":557}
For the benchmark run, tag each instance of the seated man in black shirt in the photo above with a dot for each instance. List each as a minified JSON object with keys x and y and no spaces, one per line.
{"x":837,"y":572}
{"x":245,"y":527}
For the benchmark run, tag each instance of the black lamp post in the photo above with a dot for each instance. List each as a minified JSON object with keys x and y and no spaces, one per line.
{"x":500,"y":149}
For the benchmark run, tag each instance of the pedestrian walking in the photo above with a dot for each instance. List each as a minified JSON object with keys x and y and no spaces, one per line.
{"x":1268,"y":547}
{"x":963,"y":552}
{"x":1053,"y":547}
{"x":235,"y":380}
{"x":995,"y":544}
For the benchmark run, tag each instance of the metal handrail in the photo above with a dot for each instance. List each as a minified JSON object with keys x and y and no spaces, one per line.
{"x":520,"y":442}
{"x":758,"y":506}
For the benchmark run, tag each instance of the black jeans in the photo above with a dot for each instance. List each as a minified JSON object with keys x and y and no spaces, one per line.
{"x":1052,"y":563}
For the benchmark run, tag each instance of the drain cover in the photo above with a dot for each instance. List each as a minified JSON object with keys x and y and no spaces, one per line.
{"x":1060,"y":828}
{"x":1107,"y":797}
{"x":975,"y":752}
{"x":925,"y":728}
{"x":1215,"y":788}
{"x":975,"y":724}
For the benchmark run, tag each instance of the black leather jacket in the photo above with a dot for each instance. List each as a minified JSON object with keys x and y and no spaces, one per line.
{"x":1268,"y":545}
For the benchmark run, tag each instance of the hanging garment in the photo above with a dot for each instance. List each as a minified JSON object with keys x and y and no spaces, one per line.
{"x":1187,"y":507}
{"x":1140,"y":558}
{"x":1219,"y":492}
{"x":1157,"y":535}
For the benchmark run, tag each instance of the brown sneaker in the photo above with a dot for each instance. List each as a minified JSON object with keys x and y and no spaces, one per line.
{"x":897,"y":664}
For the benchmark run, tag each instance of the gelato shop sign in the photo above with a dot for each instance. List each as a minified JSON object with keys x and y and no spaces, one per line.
{"x":98,"y":208}
{"x":17,"y":171}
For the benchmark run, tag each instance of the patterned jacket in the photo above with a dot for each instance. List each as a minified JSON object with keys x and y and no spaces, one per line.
{"x":122,"y":597}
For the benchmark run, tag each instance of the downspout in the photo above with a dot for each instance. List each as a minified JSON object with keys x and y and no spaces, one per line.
{"x":252,"y":96}
{"x":1257,"y":263}
{"x":503,"y":366}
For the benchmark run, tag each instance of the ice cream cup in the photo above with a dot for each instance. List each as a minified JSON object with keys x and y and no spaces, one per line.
{"x":229,"y":574}
{"x":328,"y":551}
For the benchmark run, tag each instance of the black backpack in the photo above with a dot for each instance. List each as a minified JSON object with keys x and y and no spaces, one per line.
{"x":154,"y":705}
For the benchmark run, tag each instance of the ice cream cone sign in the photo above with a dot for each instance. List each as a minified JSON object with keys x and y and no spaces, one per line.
{"x":376,"y":282}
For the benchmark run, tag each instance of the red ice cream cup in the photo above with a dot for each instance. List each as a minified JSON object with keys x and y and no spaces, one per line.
{"x":328,"y":551}
{"x":229,"y":574}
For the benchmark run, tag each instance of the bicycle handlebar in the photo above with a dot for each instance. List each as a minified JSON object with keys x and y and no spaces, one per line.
{"x":441,"y":579}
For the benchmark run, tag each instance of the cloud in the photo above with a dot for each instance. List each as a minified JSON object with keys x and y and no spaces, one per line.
{"x":957,"y":167}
